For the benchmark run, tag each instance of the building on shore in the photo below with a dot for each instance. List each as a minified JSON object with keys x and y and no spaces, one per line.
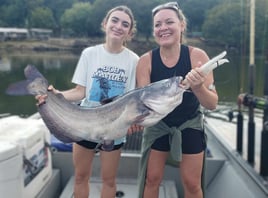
{"x":16,"y":34}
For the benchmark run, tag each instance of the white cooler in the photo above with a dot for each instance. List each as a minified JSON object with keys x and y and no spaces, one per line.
{"x":33,"y":157}
{"x":11,"y":163}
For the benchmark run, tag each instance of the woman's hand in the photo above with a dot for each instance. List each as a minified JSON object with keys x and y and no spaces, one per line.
{"x":135,"y":128}
{"x":195,"y":78}
{"x":41,"y":99}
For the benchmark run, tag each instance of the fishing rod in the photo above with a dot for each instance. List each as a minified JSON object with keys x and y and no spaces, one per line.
{"x":252,"y":102}
{"x":240,"y":117}
{"x":264,"y":134}
{"x":251,"y":122}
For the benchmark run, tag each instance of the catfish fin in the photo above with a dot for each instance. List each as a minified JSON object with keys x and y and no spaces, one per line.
{"x":141,"y":117}
{"x":31,"y":73}
{"x":108,"y":100}
{"x":34,"y":85}
{"x":18,"y":88}
{"x":108,"y":145}
{"x":145,"y":111}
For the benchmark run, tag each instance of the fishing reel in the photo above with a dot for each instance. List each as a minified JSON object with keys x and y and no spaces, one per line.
{"x":249,"y":100}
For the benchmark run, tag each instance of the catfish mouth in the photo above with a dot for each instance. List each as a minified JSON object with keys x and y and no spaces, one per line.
{"x":150,"y":108}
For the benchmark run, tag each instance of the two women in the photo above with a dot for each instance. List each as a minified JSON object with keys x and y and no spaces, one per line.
{"x":180,"y":132}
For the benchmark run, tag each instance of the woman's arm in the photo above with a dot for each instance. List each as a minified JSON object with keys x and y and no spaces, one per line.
{"x":201,"y":85}
{"x":143,"y":70}
{"x":75,"y":94}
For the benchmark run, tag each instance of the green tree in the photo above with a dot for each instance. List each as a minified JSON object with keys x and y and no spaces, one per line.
{"x":41,"y":18}
{"x":143,"y":15}
{"x":12,"y":13}
{"x":195,"y":12}
{"x":262,"y":26}
{"x":58,"y":7}
{"x":224,"y":23}
{"x":76,"y":19}
{"x":228,"y":24}
{"x":28,"y":7}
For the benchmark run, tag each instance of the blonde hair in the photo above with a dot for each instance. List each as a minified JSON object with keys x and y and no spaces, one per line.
{"x":183,"y":19}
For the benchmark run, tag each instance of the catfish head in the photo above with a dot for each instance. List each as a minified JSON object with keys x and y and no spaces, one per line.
{"x":161,"y":98}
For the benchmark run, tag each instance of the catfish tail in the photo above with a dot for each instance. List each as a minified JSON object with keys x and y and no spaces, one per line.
{"x":34,"y":85}
{"x":31,"y":72}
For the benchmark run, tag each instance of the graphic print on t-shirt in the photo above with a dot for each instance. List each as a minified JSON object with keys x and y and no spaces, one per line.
{"x":108,"y":81}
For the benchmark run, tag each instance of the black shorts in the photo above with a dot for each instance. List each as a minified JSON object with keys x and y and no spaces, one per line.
{"x":193,"y":142}
{"x":94,"y":145}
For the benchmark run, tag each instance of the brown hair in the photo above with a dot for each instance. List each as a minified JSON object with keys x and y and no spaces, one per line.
{"x":126,"y":10}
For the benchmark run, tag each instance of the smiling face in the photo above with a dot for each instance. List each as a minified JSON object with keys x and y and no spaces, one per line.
{"x":167,"y":27}
{"x":118,"y":26}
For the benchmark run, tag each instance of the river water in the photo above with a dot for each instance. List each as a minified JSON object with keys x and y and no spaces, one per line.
{"x":58,"y":67}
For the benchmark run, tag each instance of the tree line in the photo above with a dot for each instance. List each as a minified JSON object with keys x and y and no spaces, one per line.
{"x":224,"y":22}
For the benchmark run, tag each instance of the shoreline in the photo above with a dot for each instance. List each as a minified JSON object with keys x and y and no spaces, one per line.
{"x":139,"y":45}
{"x":67,"y":44}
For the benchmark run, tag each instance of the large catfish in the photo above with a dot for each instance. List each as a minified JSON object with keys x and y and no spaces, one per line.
{"x":71,"y":123}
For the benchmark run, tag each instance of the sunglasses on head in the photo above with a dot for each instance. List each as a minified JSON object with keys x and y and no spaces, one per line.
{"x":170,"y":5}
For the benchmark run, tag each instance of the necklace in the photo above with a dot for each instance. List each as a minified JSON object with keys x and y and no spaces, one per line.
{"x":164,"y":57}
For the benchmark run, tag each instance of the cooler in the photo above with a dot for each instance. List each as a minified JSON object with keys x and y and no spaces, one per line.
{"x":36,"y":165}
{"x":57,"y":145}
{"x":11,"y":163}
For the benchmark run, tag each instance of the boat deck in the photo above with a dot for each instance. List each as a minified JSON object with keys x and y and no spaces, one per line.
{"x":227,"y":173}
{"x":125,"y":188}
{"x":226,"y":131}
